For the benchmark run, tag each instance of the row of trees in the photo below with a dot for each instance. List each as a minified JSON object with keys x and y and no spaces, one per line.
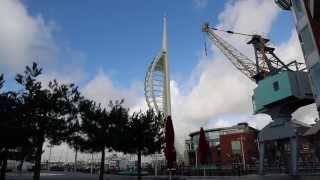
{"x":59,"y":113}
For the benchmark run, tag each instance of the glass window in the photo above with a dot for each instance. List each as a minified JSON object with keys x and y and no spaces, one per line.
{"x":212,"y":135}
{"x":195,"y":141}
{"x":306,"y":41}
{"x":297,"y":6}
{"x":275,"y":86}
{"x":236,"y":147}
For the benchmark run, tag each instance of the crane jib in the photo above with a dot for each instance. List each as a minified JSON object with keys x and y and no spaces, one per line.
{"x":240,"y":61}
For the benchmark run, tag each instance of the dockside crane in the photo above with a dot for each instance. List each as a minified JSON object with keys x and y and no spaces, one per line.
{"x":281,"y":88}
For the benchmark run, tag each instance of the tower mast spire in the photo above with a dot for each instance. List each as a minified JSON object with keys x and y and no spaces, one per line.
{"x":164,"y":36}
{"x":166,"y":92}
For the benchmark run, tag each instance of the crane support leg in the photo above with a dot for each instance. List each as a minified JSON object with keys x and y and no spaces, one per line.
{"x":261,"y":157}
{"x":294,"y":156}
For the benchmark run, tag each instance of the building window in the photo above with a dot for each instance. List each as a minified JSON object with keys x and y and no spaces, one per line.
{"x":275,"y":85}
{"x":212,"y":135}
{"x":236,"y":147}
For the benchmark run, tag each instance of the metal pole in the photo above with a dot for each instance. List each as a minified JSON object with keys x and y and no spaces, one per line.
{"x":91,"y":165}
{"x":156,"y":166}
{"x":294,"y":156}
{"x":261,"y":157}
{"x":75,"y":161}
{"x":196,"y":159}
{"x":66,"y":157}
{"x":49,"y":159}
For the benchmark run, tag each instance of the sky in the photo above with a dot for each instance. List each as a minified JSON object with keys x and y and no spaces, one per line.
{"x":105,"y":47}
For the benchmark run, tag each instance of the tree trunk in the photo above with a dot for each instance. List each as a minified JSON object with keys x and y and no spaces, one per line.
{"x":37,"y":167}
{"x":102,"y":164}
{"x":139,"y":164}
{"x":75,"y":161}
{"x":4,"y":165}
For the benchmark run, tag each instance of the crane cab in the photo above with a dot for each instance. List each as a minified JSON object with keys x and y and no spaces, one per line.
{"x":281,"y":94}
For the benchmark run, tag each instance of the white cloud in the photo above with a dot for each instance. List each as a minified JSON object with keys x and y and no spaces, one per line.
{"x":200,"y":3}
{"x":307,"y":114}
{"x":224,"y":120}
{"x":23,"y":38}
{"x":290,"y":50}
{"x":63,"y":76}
{"x":249,"y":16}
{"x":102,"y":90}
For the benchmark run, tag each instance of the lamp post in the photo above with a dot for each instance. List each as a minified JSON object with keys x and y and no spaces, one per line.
{"x":49,"y":159}
{"x":155,"y":160}
{"x":196,"y":154}
{"x":91,"y":165}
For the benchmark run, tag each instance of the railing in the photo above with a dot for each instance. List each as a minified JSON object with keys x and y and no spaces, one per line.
{"x":238,"y":170}
{"x":309,"y":167}
{"x":234,"y":170}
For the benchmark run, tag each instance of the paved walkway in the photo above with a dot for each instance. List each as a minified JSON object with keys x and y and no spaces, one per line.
{"x":81,"y":176}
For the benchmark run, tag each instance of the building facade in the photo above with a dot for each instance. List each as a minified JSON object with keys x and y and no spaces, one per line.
{"x":228,"y":145}
{"x":306,"y":15}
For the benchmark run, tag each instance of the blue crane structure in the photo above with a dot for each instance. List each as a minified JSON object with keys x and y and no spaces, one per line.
{"x":281,"y":89}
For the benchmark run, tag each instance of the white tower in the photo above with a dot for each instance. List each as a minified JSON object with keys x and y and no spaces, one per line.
{"x":157,"y":81}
